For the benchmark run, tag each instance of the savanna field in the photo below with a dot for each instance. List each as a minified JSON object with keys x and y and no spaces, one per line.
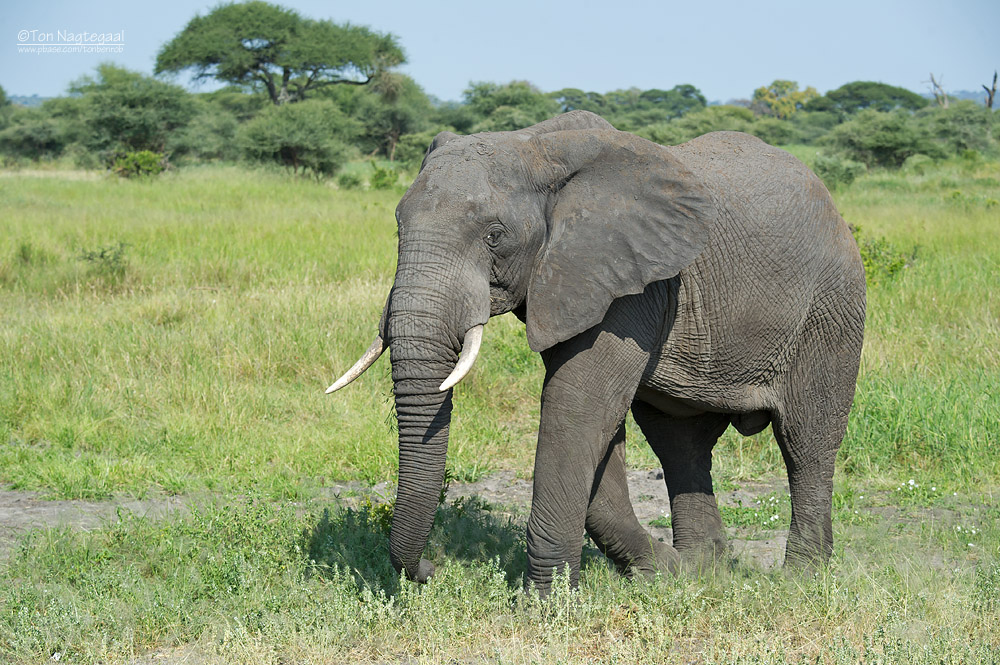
{"x":173,"y":337}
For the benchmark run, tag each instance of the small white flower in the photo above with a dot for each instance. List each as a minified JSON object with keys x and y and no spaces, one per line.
{"x":911,"y":481}
{"x":958,"y":527}
{"x":855,"y":512}
{"x":862,"y":496}
{"x":933,"y":489}
{"x":972,"y":544}
{"x":56,"y":656}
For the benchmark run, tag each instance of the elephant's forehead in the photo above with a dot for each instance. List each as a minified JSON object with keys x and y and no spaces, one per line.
{"x":456,"y":187}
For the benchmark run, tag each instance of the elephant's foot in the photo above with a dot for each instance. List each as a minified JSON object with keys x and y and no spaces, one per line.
{"x":705,"y":555}
{"x":660,"y":558}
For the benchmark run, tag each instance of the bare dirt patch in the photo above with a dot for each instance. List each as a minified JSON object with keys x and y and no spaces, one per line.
{"x":23,"y":511}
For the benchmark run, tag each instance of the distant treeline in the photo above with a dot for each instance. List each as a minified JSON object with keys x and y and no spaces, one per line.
{"x":313,"y":94}
{"x":118,"y":111}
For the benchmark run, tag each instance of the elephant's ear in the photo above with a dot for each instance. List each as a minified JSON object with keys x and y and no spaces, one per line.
{"x":625,"y":213}
{"x":437,"y":142}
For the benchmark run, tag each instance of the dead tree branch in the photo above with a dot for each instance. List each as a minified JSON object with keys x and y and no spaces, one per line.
{"x":991,"y":93}
{"x":939,"y":93}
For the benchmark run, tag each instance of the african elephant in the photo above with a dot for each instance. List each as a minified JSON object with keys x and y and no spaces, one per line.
{"x":702,"y":285}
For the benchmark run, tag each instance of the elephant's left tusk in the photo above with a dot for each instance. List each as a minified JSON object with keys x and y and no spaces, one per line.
{"x":470,"y":349}
{"x":364,"y":362}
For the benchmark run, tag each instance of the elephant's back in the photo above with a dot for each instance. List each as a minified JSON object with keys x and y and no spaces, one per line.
{"x":779,"y":249}
{"x":775,"y":215}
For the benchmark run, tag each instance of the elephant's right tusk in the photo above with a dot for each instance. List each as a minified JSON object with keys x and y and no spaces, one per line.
{"x":366,"y":361}
{"x":470,"y":349}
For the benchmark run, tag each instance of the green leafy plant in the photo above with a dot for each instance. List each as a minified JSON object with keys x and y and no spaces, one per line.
{"x":349,"y":180}
{"x":139,"y":164}
{"x":307,"y":137}
{"x":383,"y":178}
{"x":108,"y":261}
{"x":837,"y":172}
{"x":881,"y":139}
{"x":883,"y":261}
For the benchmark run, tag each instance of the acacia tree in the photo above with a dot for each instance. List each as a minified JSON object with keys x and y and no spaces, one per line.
{"x":859,"y":95}
{"x":781,"y":99}
{"x":259,"y":45}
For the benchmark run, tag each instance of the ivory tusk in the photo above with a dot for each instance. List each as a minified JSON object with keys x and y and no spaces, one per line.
{"x":366,"y":361}
{"x":470,"y":349}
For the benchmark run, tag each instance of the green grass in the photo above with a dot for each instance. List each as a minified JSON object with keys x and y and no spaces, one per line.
{"x":252,"y":582}
{"x":196,"y":359}
{"x":176,"y":336}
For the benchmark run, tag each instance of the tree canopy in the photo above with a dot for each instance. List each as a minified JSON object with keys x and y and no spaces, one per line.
{"x":781,"y":99}
{"x":127,"y":110}
{"x":260,"y":45}
{"x":859,"y":95}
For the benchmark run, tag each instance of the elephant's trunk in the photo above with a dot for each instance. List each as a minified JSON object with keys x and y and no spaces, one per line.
{"x":423,"y":413}
{"x":424,"y":327}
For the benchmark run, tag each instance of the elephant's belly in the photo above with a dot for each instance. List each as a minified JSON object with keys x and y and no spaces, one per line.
{"x":747,"y":422}
{"x":674,"y":407}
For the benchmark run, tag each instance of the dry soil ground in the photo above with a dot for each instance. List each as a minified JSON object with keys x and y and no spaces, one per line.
{"x":22,"y":511}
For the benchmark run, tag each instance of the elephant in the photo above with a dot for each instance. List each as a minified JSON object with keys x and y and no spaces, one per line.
{"x":702,"y":285}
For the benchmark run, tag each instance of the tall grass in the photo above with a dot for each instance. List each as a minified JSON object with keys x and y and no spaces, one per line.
{"x":176,"y":335}
{"x":252,"y":582}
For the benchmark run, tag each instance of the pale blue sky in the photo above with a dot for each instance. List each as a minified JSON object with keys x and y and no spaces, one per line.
{"x":723,"y":47}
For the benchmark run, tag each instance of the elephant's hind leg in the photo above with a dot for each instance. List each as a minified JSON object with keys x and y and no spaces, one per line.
{"x":612,"y":524}
{"x":809,"y":426}
{"x":684,"y":446}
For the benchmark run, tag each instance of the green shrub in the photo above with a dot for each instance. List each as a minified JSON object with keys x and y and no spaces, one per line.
{"x":875,"y":138}
{"x":837,"y":172}
{"x":918,"y":164}
{"x":412,"y":147}
{"x":696,"y":123}
{"x":124,"y":110}
{"x":108,"y":262}
{"x":211,"y":135}
{"x":883,"y":261}
{"x":961,"y":127}
{"x":33,"y":135}
{"x":349,"y":181}
{"x":774,"y":131}
{"x":383,"y":178}
{"x":143,"y":163}
{"x":306,"y":136}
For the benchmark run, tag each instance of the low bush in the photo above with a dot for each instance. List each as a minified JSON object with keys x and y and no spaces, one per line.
{"x":883,"y":261}
{"x":306,"y":137}
{"x":349,"y":181}
{"x":878,"y":139}
{"x":139,"y":164}
{"x":837,"y":172}
{"x":383,"y":178}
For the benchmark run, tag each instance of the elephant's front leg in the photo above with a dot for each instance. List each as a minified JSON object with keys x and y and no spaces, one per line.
{"x":589,"y":383}
{"x":612,"y":523}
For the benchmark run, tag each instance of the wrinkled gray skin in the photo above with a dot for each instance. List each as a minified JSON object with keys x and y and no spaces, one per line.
{"x":702,"y":285}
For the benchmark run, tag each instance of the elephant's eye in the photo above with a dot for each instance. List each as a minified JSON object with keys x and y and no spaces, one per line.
{"x":493,"y":236}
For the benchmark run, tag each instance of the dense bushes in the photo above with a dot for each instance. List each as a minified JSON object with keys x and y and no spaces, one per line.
{"x":859,"y":125}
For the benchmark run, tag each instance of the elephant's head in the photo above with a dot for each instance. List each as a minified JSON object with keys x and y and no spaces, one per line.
{"x":553,"y":222}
